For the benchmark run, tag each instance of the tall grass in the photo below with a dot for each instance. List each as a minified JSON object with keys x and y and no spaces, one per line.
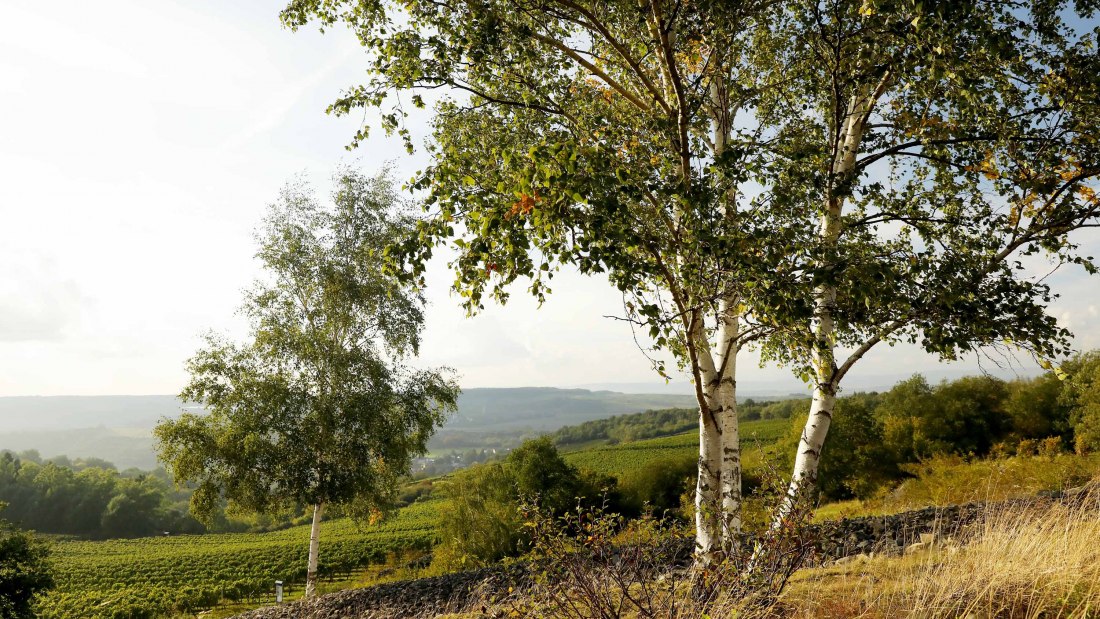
{"x":1017,"y":563}
{"x":945,"y":480}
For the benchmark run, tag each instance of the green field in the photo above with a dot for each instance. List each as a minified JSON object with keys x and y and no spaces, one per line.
{"x":183,"y":574}
{"x":756,"y":437}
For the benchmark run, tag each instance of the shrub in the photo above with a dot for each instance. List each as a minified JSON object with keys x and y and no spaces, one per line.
{"x":1027,"y":447}
{"x":1050,"y":447}
{"x":483,"y":523}
{"x":658,"y":484}
{"x":24,"y":572}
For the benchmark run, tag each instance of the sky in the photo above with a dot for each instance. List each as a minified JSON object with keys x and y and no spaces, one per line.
{"x":140,"y":144}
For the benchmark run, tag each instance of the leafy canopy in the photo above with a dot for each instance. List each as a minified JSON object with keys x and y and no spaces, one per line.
{"x":317,"y":406}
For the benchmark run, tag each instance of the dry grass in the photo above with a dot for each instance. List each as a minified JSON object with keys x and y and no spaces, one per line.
{"x":944,"y":480}
{"x":1019,"y":563}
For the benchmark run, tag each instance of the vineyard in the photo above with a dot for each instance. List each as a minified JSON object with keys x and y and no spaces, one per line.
{"x":150,"y":577}
{"x":756,"y":436}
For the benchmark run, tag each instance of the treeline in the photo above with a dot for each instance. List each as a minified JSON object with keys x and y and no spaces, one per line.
{"x":88,"y":498}
{"x":655,"y":423}
{"x":91,"y":498}
{"x":876,"y":437}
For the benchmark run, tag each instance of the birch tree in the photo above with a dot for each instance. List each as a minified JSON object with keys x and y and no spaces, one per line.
{"x":606,"y":135}
{"x":317,"y":407}
{"x":939,"y":155}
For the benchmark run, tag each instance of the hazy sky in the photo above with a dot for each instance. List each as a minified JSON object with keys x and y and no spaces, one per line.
{"x":140,"y":143}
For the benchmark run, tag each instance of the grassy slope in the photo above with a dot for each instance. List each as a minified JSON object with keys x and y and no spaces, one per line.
{"x":946,"y":480}
{"x":1040,"y":561}
{"x":625,"y":457}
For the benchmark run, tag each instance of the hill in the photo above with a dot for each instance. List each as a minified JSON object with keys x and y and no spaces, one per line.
{"x":116,"y":428}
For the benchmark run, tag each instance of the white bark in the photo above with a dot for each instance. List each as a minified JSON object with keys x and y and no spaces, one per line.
{"x":314,"y":550}
{"x":724,"y":392}
{"x":809,"y":449}
{"x":707,"y":530}
{"x":807,"y":461}
{"x":718,"y":487}
{"x":730,"y":468}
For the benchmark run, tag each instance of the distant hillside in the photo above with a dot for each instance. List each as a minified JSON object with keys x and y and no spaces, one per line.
{"x":116,"y":428}
{"x":125,"y":448}
{"x":71,"y":412}
{"x":546,"y":408}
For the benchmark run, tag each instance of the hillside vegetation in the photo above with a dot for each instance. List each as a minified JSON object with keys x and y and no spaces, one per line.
{"x":975,"y":439}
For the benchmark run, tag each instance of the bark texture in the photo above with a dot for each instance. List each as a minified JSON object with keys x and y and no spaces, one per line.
{"x":314,"y":550}
{"x":847,"y":142}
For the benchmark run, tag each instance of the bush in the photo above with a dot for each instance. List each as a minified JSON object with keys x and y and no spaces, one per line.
{"x":24,"y":572}
{"x":963,"y":417}
{"x":483,"y":524}
{"x":1050,"y":447}
{"x":1027,"y":447}
{"x":1082,"y":393}
{"x":658,"y":484}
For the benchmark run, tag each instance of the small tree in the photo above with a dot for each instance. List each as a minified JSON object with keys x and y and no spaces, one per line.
{"x":316,"y":408}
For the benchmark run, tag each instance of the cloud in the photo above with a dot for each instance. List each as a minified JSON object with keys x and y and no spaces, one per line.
{"x":36,"y":304}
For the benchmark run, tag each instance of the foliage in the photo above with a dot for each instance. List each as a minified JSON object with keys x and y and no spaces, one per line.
{"x":878,"y":440}
{"x":483,"y":524}
{"x":1036,"y":408}
{"x":92,"y":501}
{"x":628,"y":428}
{"x":619,"y":460}
{"x":658,"y":484}
{"x":656,"y":423}
{"x":965,"y":416}
{"x":316,"y":408}
{"x":1082,"y":393}
{"x":25,"y":572}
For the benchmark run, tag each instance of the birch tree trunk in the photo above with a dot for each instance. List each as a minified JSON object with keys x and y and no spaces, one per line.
{"x":707,"y":530}
{"x":730,"y":440}
{"x":724,"y":393}
{"x":808,"y":459}
{"x":314,"y":548}
{"x":718,"y":487}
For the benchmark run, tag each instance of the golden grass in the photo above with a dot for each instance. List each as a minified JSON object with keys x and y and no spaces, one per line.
{"x":1022,"y":562}
{"x":945,"y":480}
